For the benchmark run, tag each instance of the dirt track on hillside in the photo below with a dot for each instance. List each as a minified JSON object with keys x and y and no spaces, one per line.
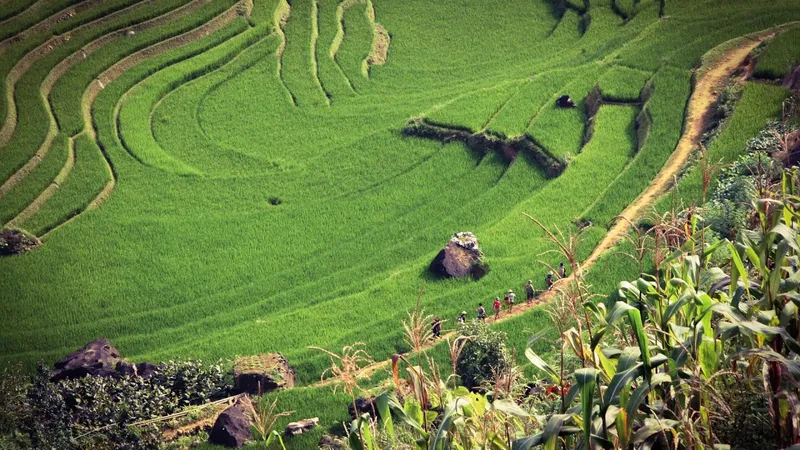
{"x":701,"y":102}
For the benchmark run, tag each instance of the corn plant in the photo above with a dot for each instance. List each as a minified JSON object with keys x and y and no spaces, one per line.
{"x":691,"y":323}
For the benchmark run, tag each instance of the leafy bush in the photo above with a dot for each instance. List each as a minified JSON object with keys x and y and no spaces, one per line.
{"x":694,"y":330}
{"x":484,"y":354}
{"x":723,"y":110}
{"x":39,"y":413}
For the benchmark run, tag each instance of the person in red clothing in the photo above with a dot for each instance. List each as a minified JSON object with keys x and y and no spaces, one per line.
{"x":496,"y":305}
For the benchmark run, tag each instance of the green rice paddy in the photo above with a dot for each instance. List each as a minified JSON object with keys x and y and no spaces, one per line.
{"x":226,"y":180}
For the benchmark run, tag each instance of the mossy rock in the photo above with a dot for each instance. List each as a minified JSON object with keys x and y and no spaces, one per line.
{"x":262,"y":373}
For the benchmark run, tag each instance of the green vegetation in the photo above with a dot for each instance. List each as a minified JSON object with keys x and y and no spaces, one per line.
{"x":87,"y":179}
{"x":781,"y":55}
{"x":623,"y":84}
{"x":760,"y":103}
{"x":24,"y":193}
{"x":264,"y":194}
{"x":299,"y":59}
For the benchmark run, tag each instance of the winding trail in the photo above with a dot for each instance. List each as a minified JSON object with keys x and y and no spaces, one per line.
{"x":701,"y":102}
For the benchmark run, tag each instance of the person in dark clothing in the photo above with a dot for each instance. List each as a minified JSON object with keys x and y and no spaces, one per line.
{"x":562,"y":271}
{"x":549,"y":280}
{"x":462,"y":318}
{"x":481,"y":312}
{"x":529,"y":291}
{"x":437,"y":327}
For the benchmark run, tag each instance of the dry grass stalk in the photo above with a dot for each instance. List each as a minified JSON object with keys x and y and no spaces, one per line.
{"x":348,"y":366}
{"x":265,"y":416}
{"x":576,"y":293}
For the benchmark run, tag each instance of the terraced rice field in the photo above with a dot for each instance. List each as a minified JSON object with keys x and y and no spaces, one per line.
{"x":220,"y":178}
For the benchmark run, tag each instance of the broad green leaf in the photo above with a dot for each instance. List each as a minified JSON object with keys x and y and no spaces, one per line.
{"x":609,"y":369}
{"x":738,"y":271}
{"x":528,"y":442}
{"x":674,"y":307}
{"x":509,"y":407}
{"x":636,"y":323}
{"x":789,"y":235}
{"x":587,"y":379}
{"x":708,"y":356}
{"x":450,"y":414}
{"x":382,"y":405}
{"x":651,"y":427}
{"x":628,"y":358}
{"x":543,"y":366}
{"x":637,"y":397}
{"x":413,"y":410}
{"x":619,"y":382}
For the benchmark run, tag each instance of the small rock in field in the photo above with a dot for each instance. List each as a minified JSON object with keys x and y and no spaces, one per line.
{"x":300,"y":427}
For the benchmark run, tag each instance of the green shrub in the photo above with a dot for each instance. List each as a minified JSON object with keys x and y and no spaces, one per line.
{"x":36,"y":412}
{"x":484,"y":354}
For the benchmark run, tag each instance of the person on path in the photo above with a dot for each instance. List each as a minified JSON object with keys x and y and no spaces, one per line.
{"x":510,"y":299}
{"x":529,"y":291}
{"x":549,"y":280}
{"x":496,"y":306}
{"x":437,"y":327}
{"x":562,"y":271}
{"x":481,"y":312}
{"x":462,"y":318}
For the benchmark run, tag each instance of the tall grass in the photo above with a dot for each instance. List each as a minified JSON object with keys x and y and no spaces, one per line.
{"x":670,"y":92}
{"x":623,"y":84}
{"x":781,"y":56}
{"x":561,"y":130}
{"x":356,"y":44}
{"x":22,"y":194}
{"x":334,"y":82}
{"x":298,"y":65}
{"x":760,"y":103}
{"x":81,"y":187}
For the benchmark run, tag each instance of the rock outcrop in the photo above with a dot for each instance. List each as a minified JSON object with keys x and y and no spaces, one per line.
{"x":99,"y":359}
{"x":362,"y":406}
{"x":232,"y":427}
{"x":460,"y":257}
{"x":300,"y":427}
{"x":258,"y":374}
{"x":565,"y":102}
{"x":143,"y":369}
{"x":14,"y":242}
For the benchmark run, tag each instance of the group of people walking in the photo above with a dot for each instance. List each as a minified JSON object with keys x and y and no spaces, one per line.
{"x":509,"y":300}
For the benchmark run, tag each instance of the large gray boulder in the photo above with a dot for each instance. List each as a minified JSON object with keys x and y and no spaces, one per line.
{"x":461,"y":257}
{"x":97,"y":358}
{"x":100,"y":359}
{"x":232,"y":427}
